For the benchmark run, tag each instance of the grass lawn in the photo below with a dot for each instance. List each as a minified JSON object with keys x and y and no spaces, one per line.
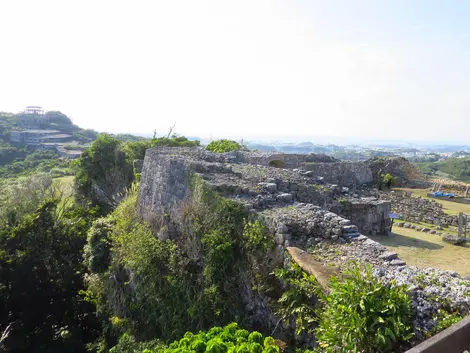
{"x":427,"y":250}
{"x":66,"y":188}
{"x":449,"y":207}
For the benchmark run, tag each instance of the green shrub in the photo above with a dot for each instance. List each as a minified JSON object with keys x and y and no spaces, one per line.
{"x":255,"y":337}
{"x":256,"y":236}
{"x":297,"y":302}
{"x":272,"y":349}
{"x":242,"y":334}
{"x":389,"y":180}
{"x":128,"y":344}
{"x":104,"y":165}
{"x":223,"y":340}
{"x":173,"y":141}
{"x":445,"y":319}
{"x":96,"y":251}
{"x":222,"y":146}
{"x":361,"y":314}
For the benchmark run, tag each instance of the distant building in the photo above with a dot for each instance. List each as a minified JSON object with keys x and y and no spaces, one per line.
{"x":48,"y":146}
{"x":35,"y":136}
{"x":34,"y":109}
{"x":32,"y":117}
{"x":70,"y":154}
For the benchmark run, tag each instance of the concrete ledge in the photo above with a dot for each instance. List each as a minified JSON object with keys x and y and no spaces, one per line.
{"x":307,"y":263}
{"x":454,"y":339}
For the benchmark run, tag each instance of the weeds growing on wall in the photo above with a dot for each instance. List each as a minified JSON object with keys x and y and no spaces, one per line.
{"x":151,"y":288}
{"x":444,"y":317}
{"x":298,"y":301}
{"x":228,"y":240}
{"x":146,"y":288}
{"x":362,"y":314}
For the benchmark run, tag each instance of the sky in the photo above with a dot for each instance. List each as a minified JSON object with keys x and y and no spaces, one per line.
{"x":251,"y":69}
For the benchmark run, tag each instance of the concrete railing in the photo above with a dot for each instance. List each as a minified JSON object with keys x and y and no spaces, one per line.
{"x":454,"y":339}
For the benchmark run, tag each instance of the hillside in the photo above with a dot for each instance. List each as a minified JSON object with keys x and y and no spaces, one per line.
{"x":454,"y":168}
{"x":22,"y":133}
{"x":36,"y":141}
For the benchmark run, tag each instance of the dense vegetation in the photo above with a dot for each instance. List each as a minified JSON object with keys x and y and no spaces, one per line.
{"x":17,"y":159}
{"x":41,"y":277}
{"x":37,"y":162}
{"x":455,"y":168}
{"x":162,"y":292}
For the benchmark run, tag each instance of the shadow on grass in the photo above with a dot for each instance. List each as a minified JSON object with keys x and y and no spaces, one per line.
{"x":402,"y":240}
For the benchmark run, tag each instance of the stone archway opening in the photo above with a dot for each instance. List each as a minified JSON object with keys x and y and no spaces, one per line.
{"x":277,"y":164}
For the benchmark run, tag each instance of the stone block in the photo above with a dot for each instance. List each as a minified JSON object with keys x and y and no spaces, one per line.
{"x":360,"y":237}
{"x":268,"y":187}
{"x":397,"y":262}
{"x":349,"y":229}
{"x":282,"y":228}
{"x":351,"y":235}
{"x":279,"y":239}
{"x":285,"y":197}
{"x":453,"y":239}
{"x":388,"y":256}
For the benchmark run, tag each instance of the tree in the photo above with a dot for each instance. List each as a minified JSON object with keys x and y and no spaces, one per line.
{"x":41,"y":270}
{"x":23,"y":196}
{"x":389,"y":180}
{"x":59,"y":121}
{"x":102,"y":172}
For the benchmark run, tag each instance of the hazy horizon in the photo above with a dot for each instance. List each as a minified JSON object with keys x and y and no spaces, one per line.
{"x":340,"y":70}
{"x":320,"y":140}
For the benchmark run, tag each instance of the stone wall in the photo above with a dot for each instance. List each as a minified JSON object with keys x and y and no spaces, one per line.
{"x":419,"y":210}
{"x":371,"y":216}
{"x":166,"y":171}
{"x":288,"y":160}
{"x":164,"y":186}
{"x":273,"y":196}
{"x":304,"y":225}
{"x":349,"y":174}
{"x":405,"y":172}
